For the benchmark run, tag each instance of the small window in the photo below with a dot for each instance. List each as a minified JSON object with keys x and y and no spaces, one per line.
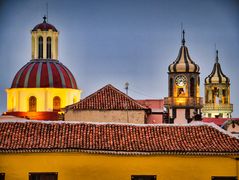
{"x":181,"y":92}
{"x":43,"y":176}
{"x":2,"y":176}
{"x":48,"y":47}
{"x":56,"y":103}
{"x":206,"y":96}
{"x":32,"y":104}
{"x":143,"y":177}
{"x":224,"y":92}
{"x":192,"y":87}
{"x":40,"y":47}
{"x":171,"y":87}
{"x":224,"y":178}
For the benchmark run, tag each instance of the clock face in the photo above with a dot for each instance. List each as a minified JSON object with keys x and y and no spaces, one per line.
{"x":181,"y":80}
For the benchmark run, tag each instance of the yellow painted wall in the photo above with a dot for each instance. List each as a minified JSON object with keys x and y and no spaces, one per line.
{"x":18,"y":98}
{"x":120,"y":116}
{"x":84,"y":166}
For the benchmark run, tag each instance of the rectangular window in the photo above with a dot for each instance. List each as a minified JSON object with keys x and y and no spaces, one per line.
{"x":2,"y":176}
{"x":143,"y":177}
{"x":43,"y":176}
{"x":224,"y":178}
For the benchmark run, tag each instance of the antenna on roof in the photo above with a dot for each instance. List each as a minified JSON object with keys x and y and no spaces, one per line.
{"x":126,"y":87}
{"x":47,"y":11}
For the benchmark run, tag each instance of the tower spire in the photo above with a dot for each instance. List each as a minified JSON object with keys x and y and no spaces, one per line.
{"x":183,"y":38}
{"x":47,"y":11}
{"x":217,"y":56}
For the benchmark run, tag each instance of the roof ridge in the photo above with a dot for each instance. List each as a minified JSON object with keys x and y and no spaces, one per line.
{"x":127,"y":96}
{"x":101,"y":90}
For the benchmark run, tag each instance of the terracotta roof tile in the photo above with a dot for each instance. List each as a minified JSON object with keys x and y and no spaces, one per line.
{"x":39,"y":136}
{"x":217,"y":121}
{"x":107,"y":98}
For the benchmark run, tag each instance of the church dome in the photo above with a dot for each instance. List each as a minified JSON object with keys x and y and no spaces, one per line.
{"x":44,"y":26}
{"x":183,"y":63}
{"x":217,"y":75}
{"x":42,"y":74}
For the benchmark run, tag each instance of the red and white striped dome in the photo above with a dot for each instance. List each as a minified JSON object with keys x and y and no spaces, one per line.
{"x":44,"y":73}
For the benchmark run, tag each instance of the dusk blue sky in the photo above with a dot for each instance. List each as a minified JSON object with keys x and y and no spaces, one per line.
{"x":118,"y":41}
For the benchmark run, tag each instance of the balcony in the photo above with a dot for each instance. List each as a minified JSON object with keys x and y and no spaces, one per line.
{"x":217,"y":107}
{"x":183,"y":102}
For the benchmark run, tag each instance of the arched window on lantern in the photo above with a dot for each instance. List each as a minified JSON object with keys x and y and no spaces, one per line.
{"x":192,"y":87}
{"x":56,"y":103}
{"x":171,"y":87}
{"x":40,"y":47}
{"x":48,"y":47}
{"x":32,"y":104}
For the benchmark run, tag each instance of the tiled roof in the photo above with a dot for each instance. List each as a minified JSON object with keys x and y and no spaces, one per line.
{"x":217,"y":121}
{"x":107,"y":98}
{"x":42,"y":136}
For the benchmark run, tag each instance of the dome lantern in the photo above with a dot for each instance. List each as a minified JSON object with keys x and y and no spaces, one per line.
{"x":44,"y":41}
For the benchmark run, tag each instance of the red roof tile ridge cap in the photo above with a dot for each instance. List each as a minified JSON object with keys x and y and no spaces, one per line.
{"x":95,"y":94}
{"x":195,"y":124}
{"x":86,"y":98}
{"x":102,"y":123}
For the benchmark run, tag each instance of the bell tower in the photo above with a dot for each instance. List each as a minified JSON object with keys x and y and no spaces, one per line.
{"x":44,"y":41}
{"x":183,"y":102}
{"x":217,"y":93}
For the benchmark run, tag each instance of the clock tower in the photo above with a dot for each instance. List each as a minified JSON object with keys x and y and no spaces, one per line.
{"x":183,"y":102}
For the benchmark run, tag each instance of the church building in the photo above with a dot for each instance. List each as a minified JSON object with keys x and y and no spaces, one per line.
{"x":44,"y":85}
{"x":217,"y":93}
{"x":183,"y":101}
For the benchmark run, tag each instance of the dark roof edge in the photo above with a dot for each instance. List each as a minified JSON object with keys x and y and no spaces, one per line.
{"x":132,"y":153}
